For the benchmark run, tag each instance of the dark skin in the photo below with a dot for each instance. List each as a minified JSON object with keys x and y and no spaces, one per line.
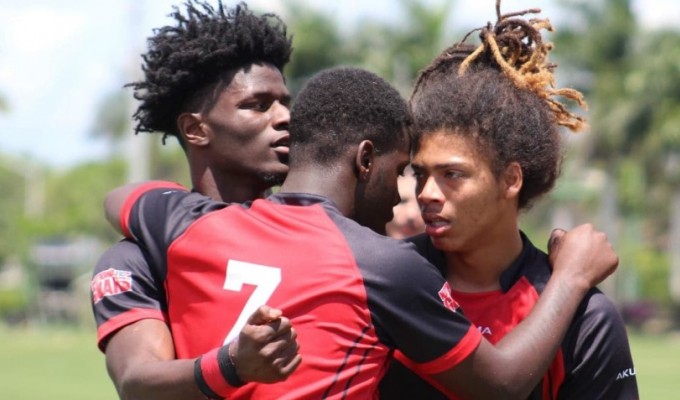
{"x":251,"y":113}
{"x":362,"y":183}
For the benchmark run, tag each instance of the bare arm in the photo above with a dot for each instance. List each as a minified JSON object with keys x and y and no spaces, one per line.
{"x":581,"y":260}
{"x":141,"y":360}
{"x":113,"y":203}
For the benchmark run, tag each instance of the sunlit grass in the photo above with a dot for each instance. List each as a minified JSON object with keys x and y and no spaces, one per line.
{"x":52,"y":363}
{"x":64,"y":364}
{"x":657,"y":362}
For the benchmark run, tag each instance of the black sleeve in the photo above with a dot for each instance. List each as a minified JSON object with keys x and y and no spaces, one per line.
{"x":125,"y":289}
{"x":412,"y":307}
{"x":597,"y":354}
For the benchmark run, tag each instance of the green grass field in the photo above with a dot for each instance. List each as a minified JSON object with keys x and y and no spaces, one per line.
{"x":64,"y":364}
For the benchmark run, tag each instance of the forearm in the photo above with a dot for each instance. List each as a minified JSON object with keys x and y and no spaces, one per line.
{"x":526,"y":352}
{"x":581,"y":259}
{"x":163,"y":380}
{"x":140,"y":359}
{"x":513,"y":368}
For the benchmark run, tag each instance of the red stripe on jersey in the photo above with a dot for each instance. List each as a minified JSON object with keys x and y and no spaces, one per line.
{"x":455,"y":356}
{"x":554,"y":378}
{"x":114,"y":324}
{"x":124,"y":215}
{"x":496,"y":314}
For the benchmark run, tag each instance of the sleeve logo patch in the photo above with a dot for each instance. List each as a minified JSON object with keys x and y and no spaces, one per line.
{"x":447,"y":299}
{"x":110,"y":282}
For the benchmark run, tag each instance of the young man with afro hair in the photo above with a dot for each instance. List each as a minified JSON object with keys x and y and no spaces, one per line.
{"x":214,"y":81}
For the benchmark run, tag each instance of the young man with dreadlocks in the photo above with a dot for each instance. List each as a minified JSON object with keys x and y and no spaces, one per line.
{"x":313,"y":251}
{"x":214,"y":82}
{"x":488,"y":147}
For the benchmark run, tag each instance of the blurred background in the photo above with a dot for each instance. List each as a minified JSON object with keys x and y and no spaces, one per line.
{"x":66,"y":138}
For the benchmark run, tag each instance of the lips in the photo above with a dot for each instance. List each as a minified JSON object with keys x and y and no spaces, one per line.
{"x":435,"y":226}
{"x":282,"y":144}
{"x":282,"y":147}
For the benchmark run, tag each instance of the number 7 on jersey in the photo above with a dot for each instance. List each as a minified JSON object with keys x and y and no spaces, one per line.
{"x":263,"y":277}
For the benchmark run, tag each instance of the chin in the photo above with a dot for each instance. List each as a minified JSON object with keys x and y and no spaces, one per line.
{"x":444,"y":244}
{"x":273,"y":178}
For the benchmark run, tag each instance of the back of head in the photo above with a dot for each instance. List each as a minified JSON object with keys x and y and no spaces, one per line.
{"x":187,"y":62}
{"x":338,"y":108}
{"x":500,"y":93}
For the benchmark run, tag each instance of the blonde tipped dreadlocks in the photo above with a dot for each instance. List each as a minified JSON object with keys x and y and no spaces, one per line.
{"x":500,"y":95}
{"x":516,"y":47}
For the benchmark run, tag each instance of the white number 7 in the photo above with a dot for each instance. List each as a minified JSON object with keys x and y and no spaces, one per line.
{"x":265,"y":279}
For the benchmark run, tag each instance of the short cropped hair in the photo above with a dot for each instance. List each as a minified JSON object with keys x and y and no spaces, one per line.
{"x":341,"y":106}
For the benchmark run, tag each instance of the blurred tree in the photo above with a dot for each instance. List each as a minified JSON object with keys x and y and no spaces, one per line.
{"x":594,"y":48}
{"x":11,"y":204}
{"x":631,"y":79}
{"x":399,"y":51}
{"x":317,"y":44}
{"x":651,"y":114}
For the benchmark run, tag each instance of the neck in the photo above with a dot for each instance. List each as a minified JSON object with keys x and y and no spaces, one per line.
{"x":478,"y":269}
{"x":220,"y":186}
{"x":337,"y":184}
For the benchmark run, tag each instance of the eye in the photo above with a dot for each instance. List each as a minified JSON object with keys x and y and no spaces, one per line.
{"x":453,"y":174}
{"x":256,"y":105}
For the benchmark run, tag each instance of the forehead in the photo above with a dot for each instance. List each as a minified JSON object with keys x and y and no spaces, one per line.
{"x":443,"y":146}
{"x":254,"y":80}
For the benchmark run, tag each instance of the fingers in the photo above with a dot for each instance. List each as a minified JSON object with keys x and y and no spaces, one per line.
{"x":264,"y":314}
{"x":269,"y":352}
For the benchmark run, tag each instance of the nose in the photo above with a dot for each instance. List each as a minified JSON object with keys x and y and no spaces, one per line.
{"x":280,"y":116}
{"x":429,"y":191}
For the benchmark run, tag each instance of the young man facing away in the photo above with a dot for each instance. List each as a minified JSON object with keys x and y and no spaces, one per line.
{"x":311,"y":250}
{"x":213,"y":81}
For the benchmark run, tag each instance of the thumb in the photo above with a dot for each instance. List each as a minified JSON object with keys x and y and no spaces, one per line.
{"x":555,"y":237}
{"x":264,"y":314}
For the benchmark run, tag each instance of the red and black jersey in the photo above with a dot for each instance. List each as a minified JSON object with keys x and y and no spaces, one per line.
{"x":125,"y":286}
{"x":352,"y":295}
{"x":594,"y":361}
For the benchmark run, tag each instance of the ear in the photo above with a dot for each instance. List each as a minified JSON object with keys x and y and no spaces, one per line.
{"x":512,"y":180}
{"x":364,"y":160}
{"x":192,"y":129}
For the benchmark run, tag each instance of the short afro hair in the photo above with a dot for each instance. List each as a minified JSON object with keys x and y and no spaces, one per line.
{"x":341,"y":106}
{"x":185,"y":60}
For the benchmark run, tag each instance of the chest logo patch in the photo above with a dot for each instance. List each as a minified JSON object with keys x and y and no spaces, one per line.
{"x":447,"y":299}
{"x":110,"y":282}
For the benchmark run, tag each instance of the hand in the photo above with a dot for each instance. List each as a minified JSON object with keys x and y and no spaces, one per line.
{"x":583,"y":255}
{"x":266,"y":350}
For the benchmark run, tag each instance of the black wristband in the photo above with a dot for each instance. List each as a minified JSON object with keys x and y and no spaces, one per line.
{"x":228,"y":368}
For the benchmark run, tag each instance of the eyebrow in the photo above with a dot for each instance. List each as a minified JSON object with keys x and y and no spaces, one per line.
{"x":439,"y":166}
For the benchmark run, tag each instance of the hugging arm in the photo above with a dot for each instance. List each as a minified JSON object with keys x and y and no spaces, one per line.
{"x":141,"y":360}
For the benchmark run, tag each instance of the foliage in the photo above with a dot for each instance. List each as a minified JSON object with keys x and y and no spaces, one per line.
{"x":13,"y":304}
{"x":312,"y":52}
{"x":11,"y":204}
